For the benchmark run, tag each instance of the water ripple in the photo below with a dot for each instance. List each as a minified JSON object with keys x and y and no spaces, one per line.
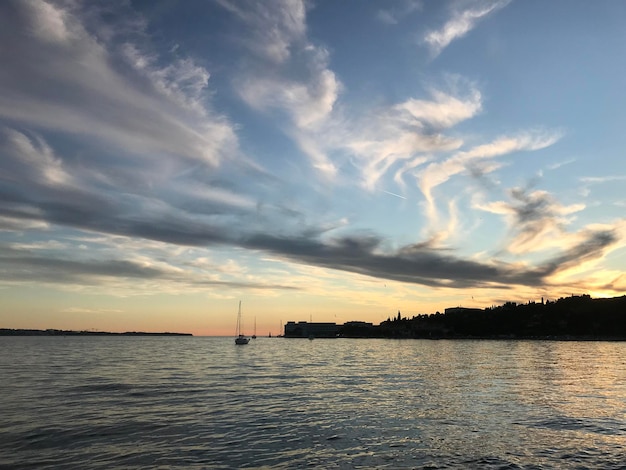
{"x":99,"y":403}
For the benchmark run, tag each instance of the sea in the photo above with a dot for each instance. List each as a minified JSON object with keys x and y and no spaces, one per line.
{"x":109,"y":402}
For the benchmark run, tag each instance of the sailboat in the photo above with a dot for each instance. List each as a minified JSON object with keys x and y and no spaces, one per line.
{"x":254,"y":334}
{"x":241,"y":338}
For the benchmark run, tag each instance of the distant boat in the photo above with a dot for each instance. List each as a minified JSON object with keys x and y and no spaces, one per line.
{"x":254,"y":334}
{"x":241,"y":338}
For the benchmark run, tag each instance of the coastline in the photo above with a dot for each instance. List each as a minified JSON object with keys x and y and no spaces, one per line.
{"x":53,"y":332}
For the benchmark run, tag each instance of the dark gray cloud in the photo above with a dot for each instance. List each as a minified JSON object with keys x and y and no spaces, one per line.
{"x":531,"y":208}
{"x":593,"y":246}
{"x":479,"y":170}
{"x":534,"y":217}
{"x":412,"y":265}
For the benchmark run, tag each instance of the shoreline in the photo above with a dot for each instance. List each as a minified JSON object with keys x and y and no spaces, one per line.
{"x":53,"y":332}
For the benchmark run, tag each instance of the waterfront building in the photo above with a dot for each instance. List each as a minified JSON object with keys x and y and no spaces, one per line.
{"x":303,"y":329}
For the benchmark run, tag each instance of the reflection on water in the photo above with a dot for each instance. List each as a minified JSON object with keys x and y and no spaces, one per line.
{"x":145,"y":402}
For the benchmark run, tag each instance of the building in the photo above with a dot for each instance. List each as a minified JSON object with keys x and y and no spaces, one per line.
{"x":461,"y":310}
{"x":357,"y":329}
{"x":303,"y":329}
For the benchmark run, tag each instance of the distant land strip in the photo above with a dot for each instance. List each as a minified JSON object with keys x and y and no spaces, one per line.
{"x":51,"y":332}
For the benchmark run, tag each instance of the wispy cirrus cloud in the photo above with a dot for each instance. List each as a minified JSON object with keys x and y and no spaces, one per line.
{"x":30,"y":160}
{"x":396,"y":12}
{"x":438,"y":172}
{"x":443,"y":111}
{"x":18,"y":225}
{"x":462,"y":21}
{"x":409,"y":132}
{"x":288,"y":74}
{"x":60,"y":76}
{"x":306,"y":103}
{"x":91,"y":311}
{"x":602,"y":179}
{"x":557,"y":165}
{"x":274,"y":27}
{"x":183,"y":81}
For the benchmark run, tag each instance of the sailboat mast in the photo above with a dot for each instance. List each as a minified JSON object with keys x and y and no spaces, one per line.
{"x":239,"y":319}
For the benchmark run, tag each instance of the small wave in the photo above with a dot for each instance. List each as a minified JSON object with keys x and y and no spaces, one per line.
{"x":606,"y":427}
{"x":490,"y":462}
{"x":100,"y":387}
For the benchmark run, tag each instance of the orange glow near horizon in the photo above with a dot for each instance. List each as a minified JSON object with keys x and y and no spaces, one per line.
{"x":330,"y":296}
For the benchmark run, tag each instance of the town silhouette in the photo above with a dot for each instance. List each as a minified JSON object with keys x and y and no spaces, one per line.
{"x":568,"y":318}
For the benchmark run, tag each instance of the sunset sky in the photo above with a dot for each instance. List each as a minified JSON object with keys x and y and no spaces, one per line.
{"x":325,"y":160}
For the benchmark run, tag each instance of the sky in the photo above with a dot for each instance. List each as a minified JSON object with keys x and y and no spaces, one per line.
{"x":318,"y":160}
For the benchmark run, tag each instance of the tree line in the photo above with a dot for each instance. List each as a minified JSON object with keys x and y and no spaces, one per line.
{"x":575,"y":317}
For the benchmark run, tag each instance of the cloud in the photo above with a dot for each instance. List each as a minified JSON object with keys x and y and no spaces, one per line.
{"x":416,"y":264}
{"x":307,"y":103}
{"x":398,"y":11}
{"x":302,"y":85}
{"x":461,"y":23}
{"x":102,"y":136}
{"x":437,"y":173}
{"x":87,"y":207}
{"x":409,"y":132}
{"x":593,"y":245}
{"x":287,"y":76}
{"x":135,"y":217}
{"x":103,"y":266}
{"x":63,"y":77}
{"x":182,"y":81}
{"x":31,"y":161}
{"x":602,"y":179}
{"x":11,"y":224}
{"x":558,"y":165}
{"x":443,"y":111}
{"x":536,"y":220}
{"x":91,"y":310}
{"x":273,"y":27}
{"x":41,"y":187}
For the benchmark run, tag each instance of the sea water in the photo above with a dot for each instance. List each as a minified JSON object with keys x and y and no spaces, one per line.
{"x":206,"y":403}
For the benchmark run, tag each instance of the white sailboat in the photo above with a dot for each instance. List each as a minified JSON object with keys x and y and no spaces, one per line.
{"x":241,"y":338}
